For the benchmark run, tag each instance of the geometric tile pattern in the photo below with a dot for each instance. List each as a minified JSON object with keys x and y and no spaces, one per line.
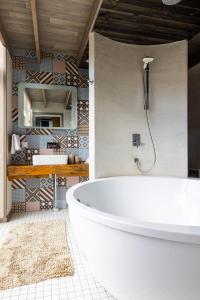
{"x":83,"y":82}
{"x":70,"y":132}
{"x":30,"y":53}
{"x":59,"y":79}
{"x":46,"y":182}
{"x":14,"y":114}
{"x":46,"y":198}
{"x":32,"y":194}
{"x":22,"y":138}
{"x":61,"y":181}
{"x":18,"y":62}
{"x":70,"y":66}
{"x":18,"y":184}
{"x":67,"y":141}
{"x":83,"y":117}
{"x":60,"y":56}
{"x":47,"y":55}
{"x":32,"y":77}
{"x":18,"y":207}
{"x":83,"y":179}
{"x":43,"y":131}
{"x":72,"y":79}
{"x":15,"y":89}
{"x":60,"y":69}
{"x":29,"y":154}
{"x":46,"y":77}
{"x":83,"y":142}
{"x":19,"y":158}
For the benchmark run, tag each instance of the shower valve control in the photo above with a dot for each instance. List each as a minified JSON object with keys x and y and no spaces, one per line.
{"x":136,"y":140}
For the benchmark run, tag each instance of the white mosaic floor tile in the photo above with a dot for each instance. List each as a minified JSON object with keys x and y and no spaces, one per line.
{"x":81,"y":286}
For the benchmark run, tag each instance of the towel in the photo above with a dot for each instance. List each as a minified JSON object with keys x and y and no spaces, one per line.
{"x":15,"y":144}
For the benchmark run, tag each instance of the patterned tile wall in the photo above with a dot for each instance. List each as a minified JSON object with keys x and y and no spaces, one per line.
{"x":55,"y":68}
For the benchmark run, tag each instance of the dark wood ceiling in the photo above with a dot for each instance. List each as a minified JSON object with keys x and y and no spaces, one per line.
{"x":151,"y":22}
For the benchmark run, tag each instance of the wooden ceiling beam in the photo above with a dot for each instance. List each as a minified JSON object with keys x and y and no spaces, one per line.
{"x":44,"y":97}
{"x":35,"y":28}
{"x":89,"y":27}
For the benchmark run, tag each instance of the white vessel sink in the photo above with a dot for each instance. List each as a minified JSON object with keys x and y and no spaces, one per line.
{"x":50,"y":160}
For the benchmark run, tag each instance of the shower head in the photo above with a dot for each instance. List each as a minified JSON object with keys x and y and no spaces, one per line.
{"x":147,"y":60}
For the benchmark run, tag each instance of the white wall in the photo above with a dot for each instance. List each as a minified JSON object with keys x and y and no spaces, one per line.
{"x":5,"y":130}
{"x":9,"y":124}
{"x":194,"y":116}
{"x":117,"y":109}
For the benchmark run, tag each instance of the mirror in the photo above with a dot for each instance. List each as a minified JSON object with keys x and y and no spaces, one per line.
{"x":47,"y":106}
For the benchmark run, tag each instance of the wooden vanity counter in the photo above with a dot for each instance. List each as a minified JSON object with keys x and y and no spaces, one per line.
{"x":29,"y":171}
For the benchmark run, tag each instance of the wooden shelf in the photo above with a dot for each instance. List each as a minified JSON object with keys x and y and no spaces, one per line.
{"x":24,"y":171}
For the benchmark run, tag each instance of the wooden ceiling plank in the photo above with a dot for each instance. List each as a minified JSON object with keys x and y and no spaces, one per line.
{"x":140,"y":31}
{"x":149,"y":19}
{"x":89,"y":27}
{"x":171,"y":9}
{"x":35,"y":29}
{"x":149,"y":11}
{"x":146,"y":20}
{"x":127,"y":25}
{"x":114,"y":35}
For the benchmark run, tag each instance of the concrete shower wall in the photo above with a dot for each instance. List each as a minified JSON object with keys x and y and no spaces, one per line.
{"x":194,"y":117}
{"x":117,"y":108}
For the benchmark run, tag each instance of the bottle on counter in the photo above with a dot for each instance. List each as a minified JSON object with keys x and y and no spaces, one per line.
{"x":71,"y":159}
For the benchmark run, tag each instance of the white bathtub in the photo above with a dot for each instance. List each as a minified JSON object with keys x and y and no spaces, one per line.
{"x":140,"y":235}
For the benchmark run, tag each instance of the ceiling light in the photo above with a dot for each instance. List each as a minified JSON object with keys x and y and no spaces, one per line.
{"x":171,"y":2}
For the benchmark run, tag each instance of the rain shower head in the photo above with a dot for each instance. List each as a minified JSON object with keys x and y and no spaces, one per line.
{"x":147,"y":60}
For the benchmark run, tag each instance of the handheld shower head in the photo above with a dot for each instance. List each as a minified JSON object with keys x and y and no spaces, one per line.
{"x":147,"y":60}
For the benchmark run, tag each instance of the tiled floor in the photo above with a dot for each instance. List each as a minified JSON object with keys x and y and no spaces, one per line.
{"x":81,"y":286}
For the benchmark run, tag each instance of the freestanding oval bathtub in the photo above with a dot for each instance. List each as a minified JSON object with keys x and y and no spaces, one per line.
{"x":140,"y":235}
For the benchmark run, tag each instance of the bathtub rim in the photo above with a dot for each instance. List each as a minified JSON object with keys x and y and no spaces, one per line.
{"x":171,"y":232}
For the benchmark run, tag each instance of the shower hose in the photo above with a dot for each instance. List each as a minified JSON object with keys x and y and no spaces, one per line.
{"x":137,"y":161}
